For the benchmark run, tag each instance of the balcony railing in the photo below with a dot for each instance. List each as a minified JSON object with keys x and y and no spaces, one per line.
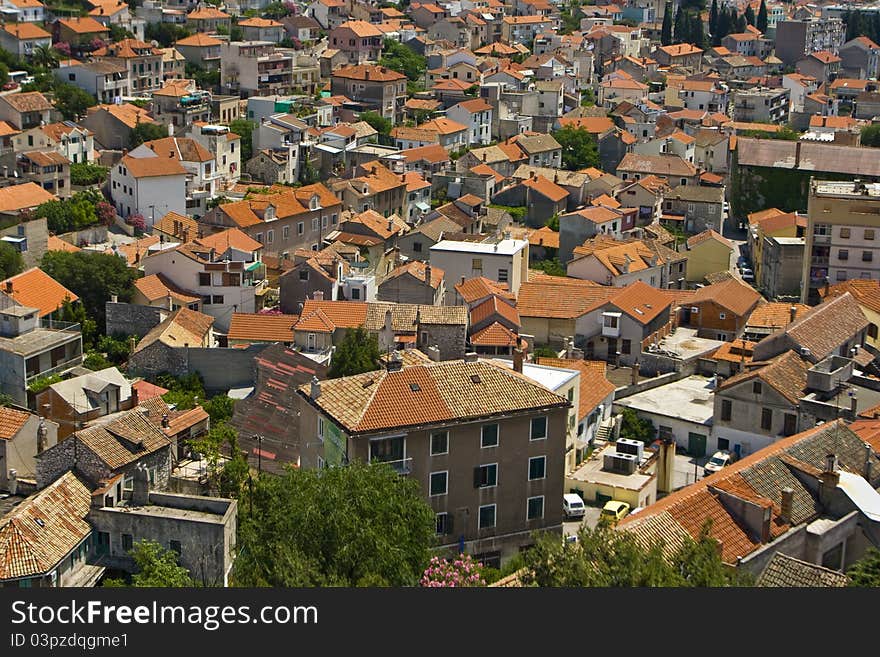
{"x":58,"y":325}
{"x":400,"y":466}
{"x":60,"y":367}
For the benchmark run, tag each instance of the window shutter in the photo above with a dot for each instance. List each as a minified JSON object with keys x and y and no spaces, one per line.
{"x":478,"y":477}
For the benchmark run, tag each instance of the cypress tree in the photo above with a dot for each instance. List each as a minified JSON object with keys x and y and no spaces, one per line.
{"x":666,"y":30}
{"x":713,"y":18}
{"x":761,"y":23}
{"x":750,"y":15}
{"x":679,"y":27}
{"x":741,"y":24}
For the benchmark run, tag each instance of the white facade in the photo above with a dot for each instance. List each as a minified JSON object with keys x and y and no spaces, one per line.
{"x":479,"y":123}
{"x":506,"y":261}
{"x":590,"y":268}
{"x":150,"y":196}
{"x":12,"y":12}
{"x":226,"y":150}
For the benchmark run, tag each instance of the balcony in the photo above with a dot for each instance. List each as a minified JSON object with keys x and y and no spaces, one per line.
{"x":821,"y":239}
{"x":57,"y":369}
{"x":400,"y":466}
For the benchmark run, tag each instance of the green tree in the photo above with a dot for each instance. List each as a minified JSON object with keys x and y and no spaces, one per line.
{"x":184,"y":392}
{"x":378,"y":122}
{"x":347,"y":526}
{"x":403,"y":59}
{"x":550,"y":266}
{"x":244,"y":129}
{"x":871,"y":135}
{"x":679,"y":26}
{"x":636,"y":428}
{"x":11,"y":262}
{"x":166,"y":33}
{"x":220,"y":408}
{"x":749,"y":15}
{"x":761,"y":22}
{"x":741,"y":24}
{"x":699,"y":562}
{"x":93,"y":277}
{"x":75,"y":313}
{"x":865,"y":572}
{"x":156,"y":567}
{"x":76,"y":213}
{"x":713,"y":18}
{"x":86,"y":173}
{"x":236,"y":33}
{"x":666,"y":28}
{"x":276,"y":11}
{"x":579,"y":149}
{"x":72,"y":101}
{"x":45,"y":56}
{"x":144,"y":131}
{"x":358,"y":352}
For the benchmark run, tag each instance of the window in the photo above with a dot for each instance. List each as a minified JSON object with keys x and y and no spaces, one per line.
{"x":439,"y":483}
{"x":300,"y":228}
{"x":303,"y":274}
{"x":844,"y":233}
{"x":535,"y":508}
{"x":502,"y":275}
{"x":726,"y":409}
{"x":841,"y":275}
{"x":843,"y":254}
{"x":388,"y":450}
{"x":204,"y":278}
{"x":443,"y":523}
{"x":766,"y":418}
{"x":417,"y":247}
{"x":285,"y":233}
{"x":270,"y":236}
{"x":440,"y":443}
{"x":867,"y":256}
{"x":355,"y":294}
{"x":126,"y":542}
{"x":315,"y":223}
{"x":486,"y":476}
{"x":175,"y":547}
{"x":539,"y":429}
{"x":259,"y":237}
{"x":723,"y":443}
{"x":537,"y":467}
{"x":789,"y":427}
{"x":626,"y":346}
{"x":869,"y":233}
{"x":321,"y":429}
{"x":477,"y":264}
{"x":487,"y":516}
{"x":872,"y":331}
{"x":489,"y":436}
{"x":217,"y":299}
{"x":722,"y":316}
{"x":756,"y":387}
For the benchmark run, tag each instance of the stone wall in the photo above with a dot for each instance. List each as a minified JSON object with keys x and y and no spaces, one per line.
{"x":131,"y":319}
{"x":450,"y":338}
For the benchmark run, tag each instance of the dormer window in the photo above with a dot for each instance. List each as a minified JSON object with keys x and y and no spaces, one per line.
{"x":315,"y":202}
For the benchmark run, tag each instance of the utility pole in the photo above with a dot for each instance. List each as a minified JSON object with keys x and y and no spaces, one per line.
{"x":259,"y":440}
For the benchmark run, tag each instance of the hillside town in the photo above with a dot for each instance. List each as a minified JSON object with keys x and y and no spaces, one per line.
{"x":490,"y":278}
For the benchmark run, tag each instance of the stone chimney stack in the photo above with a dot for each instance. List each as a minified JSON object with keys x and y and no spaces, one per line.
{"x":869,"y":452}
{"x":518,"y":357}
{"x":787,"y":504}
{"x":140,"y":495}
{"x":318,"y":295}
{"x":792,"y":313}
{"x":12,"y":482}
{"x":165,"y":421}
{"x":395,"y":362}
{"x":428,"y":274}
{"x":42,"y":432}
{"x":315,"y":391}
{"x":830,"y":477}
{"x":9,"y":287}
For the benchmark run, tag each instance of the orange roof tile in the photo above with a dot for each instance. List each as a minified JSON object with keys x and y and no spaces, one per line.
{"x":259,"y":327}
{"x":559,"y":297}
{"x":20,"y":197}
{"x":152,"y":167}
{"x":159,"y":286}
{"x":774,"y":315}
{"x":331,"y":315}
{"x":546,"y":188}
{"x":479,"y":287}
{"x":545,"y":237}
{"x":419,"y":271}
{"x":57,"y":244}
{"x":11,"y":422}
{"x":494,"y":335}
{"x":732,"y":294}
{"x":494,"y":306}
{"x":231,"y":238}
{"x":34,"y":288}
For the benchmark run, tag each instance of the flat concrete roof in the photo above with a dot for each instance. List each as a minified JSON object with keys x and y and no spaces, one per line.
{"x":591,"y":472}
{"x":37,"y":341}
{"x":691,"y":399}
{"x":685,"y":344}
{"x":504,"y":247}
{"x":155,"y":511}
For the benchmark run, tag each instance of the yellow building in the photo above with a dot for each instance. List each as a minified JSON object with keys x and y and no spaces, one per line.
{"x":707,"y":253}
{"x":771,"y":223}
{"x":867,"y":293}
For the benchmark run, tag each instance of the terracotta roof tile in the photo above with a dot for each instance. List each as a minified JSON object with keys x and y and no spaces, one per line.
{"x":182,"y":327}
{"x":787,"y":374}
{"x":565,"y":298}
{"x":641,"y":301}
{"x":418,"y":270}
{"x":494,"y":335}
{"x":865,"y":291}
{"x":479,"y":287}
{"x":55,"y":243}
{"x":34,"y":288}
{"x":785,"y":571}
{"x":41,"y":531}
{"x":339,"y":314}
{"x":20,"y":197}
{"x":428,"y":394}
{"x":124,"y":440}
{"x":706,"y":235}
{"x":368,"y":73}
{"x":593,"y":389}
{"x":491,"y":307}
{"x":546,"y":188}
{"x":231,"y":238}
{"x":732,"y":294}
{"x":545,"y":237}
{"x":259,"y":327}
{"x":11,"y":421}
{"x":774,"y":315}
{"x":159,"y":286}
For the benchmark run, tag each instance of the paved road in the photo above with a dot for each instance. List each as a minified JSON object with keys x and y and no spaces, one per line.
{"x":590,"y":519}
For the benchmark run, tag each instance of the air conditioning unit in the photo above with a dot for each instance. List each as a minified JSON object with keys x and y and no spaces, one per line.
{"x":695,"y":310}
{"x":625,"y":464}
{"x":629,"y":446}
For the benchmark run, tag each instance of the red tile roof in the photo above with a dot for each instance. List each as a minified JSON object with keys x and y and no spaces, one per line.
{"x":260,"y":327}
{"x":34,"y":288}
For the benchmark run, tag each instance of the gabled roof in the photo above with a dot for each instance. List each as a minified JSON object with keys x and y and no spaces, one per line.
{"x":641,"y":301}
{"x":231,"y":238}
{"x":43,"y":529}
{"x":593,"y":388}
{"x":34,"y":288}
{"x":11,"y":421}
{"x":85,"y":25}
{"x":159,"y":286}
{"x":865,"y":292}
{"x":262,"y":327}
{"x":419,"y":271}
{"x":774,"y":315}
{"x":430,"y":394}
{"x":55,"y":243}
{"x":479,"y":287}
{"x":546,"y":188}
{"x":494,"y":306}
{"x":153,"y":167}
{"x":182,"y":327}
{"x":821,"y":330}
{"x":546,"y":237}
{"x":788,"y":572}
{"x":125,"y":440}
{"x":200,"y":40}
{"x":786,"y":373}
{"x":25,"y":31}
{"x":732,"y":294}
{"x":256,"y":21}
{"x":709,"y":234}
{"x":330,"y":315}
{"x":558,"y":297}
{"x":660,"y":165}
{"x":368,"y":73}
{"x":495,"y":334}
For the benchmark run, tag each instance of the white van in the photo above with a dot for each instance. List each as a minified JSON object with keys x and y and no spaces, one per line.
{"x":573,"y":506}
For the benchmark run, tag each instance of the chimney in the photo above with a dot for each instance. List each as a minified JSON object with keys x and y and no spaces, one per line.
{"x":42,"y":432}
{"x":471,"y":357}
{"x":765,"y":524}
{"x":428,"y":274}
{"x":666,"y":465}
{"x":395,"y":362}
{"x":390,"y":225}
{"x":518,"y":356}
{"x":140,"y":495}
{"x":12,"y":482}
{"x":827,"y":286}
{"x":869,"y":452}
{"x":433,"y":353}
{"x":165,"y":421}
{"x":318,"y":295}
{"x":792,"y":313}
{"x":797,"y":154}
{"x":315,"y":391}
{"x":829,"y":477}
{"x":635,"y":373}
{"x":462,"y":280}
{"x":114,"y":298}
{"x":787,"y":504}
{"x":9,"y":287}
{"x":853,"y":402}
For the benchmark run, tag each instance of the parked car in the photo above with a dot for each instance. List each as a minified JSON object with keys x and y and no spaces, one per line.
{"x":720,"y":459}
{"x":573,"y":506}
{"x":615,"y":511}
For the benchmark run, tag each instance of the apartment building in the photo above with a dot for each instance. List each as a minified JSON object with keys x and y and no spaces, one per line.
{"x":376,"y":88}
{"x":255,"y":68}
{"x":142,"y":61}
{"x":761,"y":105}
{"x":795,"y":39}
{"x":841,"y":235}
{"x":486,"y":445}
{"x":506,"y":261}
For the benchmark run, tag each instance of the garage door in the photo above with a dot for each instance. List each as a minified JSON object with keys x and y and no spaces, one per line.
{"x":696,"y":444}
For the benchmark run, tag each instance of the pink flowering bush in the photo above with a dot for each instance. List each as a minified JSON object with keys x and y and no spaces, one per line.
{"x":63,"y":47}
{"x":138,"y":222}
{"x":460,"y":572}
{"x":106,"y":213}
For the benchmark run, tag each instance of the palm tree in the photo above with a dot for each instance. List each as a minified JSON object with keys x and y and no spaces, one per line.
{"x":45,"y":57}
